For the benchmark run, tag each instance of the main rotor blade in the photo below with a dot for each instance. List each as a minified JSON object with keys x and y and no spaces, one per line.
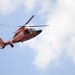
{"x":24,"y":26}
{"x":29,"y":20}
{"x":19,"y":26}
{"x":38,"y":26}
{"x":8,"y":25}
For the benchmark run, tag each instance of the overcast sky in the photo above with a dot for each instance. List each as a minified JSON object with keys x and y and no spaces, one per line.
{"x":50,"y":53}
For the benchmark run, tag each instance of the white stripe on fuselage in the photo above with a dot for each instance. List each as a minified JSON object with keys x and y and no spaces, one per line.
{"x":11,"y":41}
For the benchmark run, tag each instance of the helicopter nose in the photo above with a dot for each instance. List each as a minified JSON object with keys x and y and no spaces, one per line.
{"x":39,"y":31}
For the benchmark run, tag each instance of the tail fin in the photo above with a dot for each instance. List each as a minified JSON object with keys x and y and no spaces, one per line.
{"x":2,"y":44}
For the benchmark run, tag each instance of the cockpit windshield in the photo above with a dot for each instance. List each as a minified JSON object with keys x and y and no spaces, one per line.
{"x":33,"y":29}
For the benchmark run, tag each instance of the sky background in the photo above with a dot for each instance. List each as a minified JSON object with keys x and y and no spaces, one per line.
{"x":50,"y":53}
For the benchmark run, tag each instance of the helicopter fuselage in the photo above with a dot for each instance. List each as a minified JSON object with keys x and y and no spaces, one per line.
{"x":24,"y":35}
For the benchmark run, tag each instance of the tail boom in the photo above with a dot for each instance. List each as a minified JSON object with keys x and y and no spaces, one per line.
{"x":3,"y":44}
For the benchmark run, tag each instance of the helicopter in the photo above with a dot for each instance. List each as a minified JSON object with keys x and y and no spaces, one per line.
{"x":24,"y":33}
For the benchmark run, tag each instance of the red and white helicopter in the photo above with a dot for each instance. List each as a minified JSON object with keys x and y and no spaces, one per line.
{"x":24,"y":33}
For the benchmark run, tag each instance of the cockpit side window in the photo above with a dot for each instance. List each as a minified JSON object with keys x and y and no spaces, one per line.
{"x":33,"y":29}
{"x":26,"y":31}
